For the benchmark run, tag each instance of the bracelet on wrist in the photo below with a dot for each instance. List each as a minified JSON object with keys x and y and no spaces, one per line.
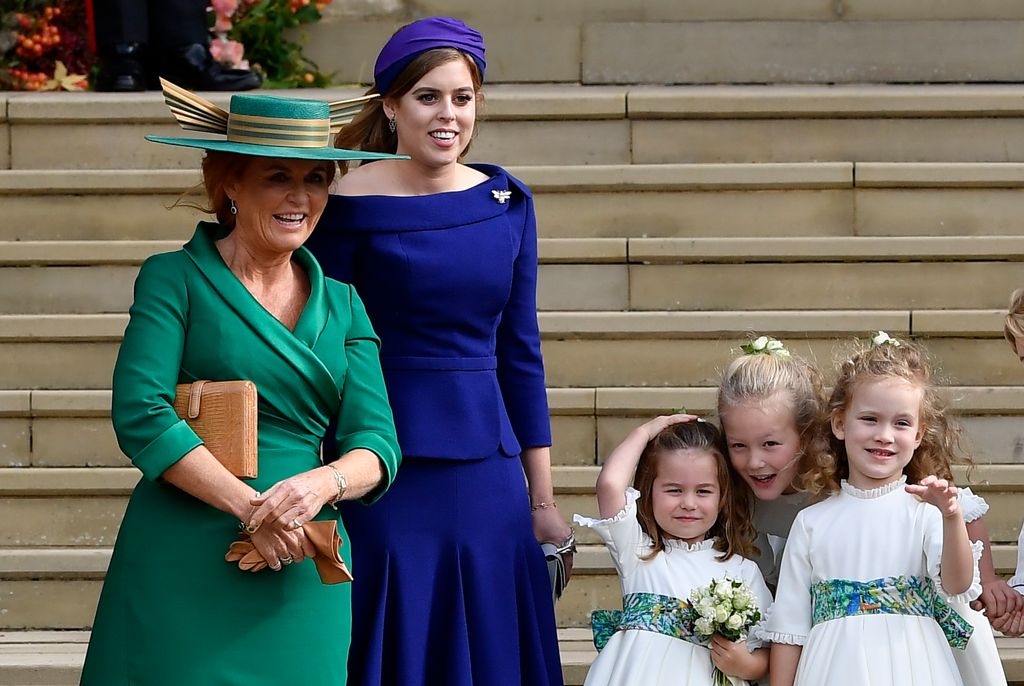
{"x":543,"y":505}
{"x":341,"y":482}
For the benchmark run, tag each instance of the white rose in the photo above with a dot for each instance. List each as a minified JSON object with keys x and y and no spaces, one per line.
{"x":723,"y":588}
{"x":734,"y":622}
{"x":706,"y":608}
{"x":760,"y":344}
{"x":721,"y":614}
{"x":703,"y":627}
{"x":741,"y":600}
{"x":881,"y":338}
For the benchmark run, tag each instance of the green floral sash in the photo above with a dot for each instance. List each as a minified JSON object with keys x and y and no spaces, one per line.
{"x":648,"y":612}
{"x":899,"y":595}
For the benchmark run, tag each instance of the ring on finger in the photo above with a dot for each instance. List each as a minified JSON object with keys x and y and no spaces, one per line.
{"x":296,"y":523}
{"x":287,"y":560}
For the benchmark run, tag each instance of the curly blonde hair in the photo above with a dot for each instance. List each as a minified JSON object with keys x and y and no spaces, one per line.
{"x":940,"y":440}
{"x":734,"y":527}
{"x":754,"y":378}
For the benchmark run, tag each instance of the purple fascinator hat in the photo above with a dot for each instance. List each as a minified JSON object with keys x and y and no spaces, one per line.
{"x":420,"y":36}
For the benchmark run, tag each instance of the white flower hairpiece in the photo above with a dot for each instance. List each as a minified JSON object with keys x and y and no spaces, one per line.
{"x":882,"y":338}
{"x":766,"y":345}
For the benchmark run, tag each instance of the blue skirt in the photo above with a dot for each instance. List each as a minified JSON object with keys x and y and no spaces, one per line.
{"x":451,"y":588}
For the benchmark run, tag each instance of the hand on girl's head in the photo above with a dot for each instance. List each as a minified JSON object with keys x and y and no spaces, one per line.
{"x":658,"y":424}
{"x":938,"y":492}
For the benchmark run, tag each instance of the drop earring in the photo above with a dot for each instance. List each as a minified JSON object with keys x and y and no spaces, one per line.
{"x":234,"y":210}
{"x":391,"y":124}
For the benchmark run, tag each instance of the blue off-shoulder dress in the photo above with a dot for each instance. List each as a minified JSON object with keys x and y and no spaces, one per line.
{"x":451,"y":587}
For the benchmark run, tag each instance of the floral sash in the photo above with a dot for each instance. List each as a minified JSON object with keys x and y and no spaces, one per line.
{"x":648,"y":612}
{"x":902,"y":595}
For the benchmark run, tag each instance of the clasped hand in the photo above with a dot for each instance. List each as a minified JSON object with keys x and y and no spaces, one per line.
{"x":279,"y":513}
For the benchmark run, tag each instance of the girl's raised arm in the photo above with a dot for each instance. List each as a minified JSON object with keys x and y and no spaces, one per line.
{"x":619,"y":466}
{"x":957,"y":566}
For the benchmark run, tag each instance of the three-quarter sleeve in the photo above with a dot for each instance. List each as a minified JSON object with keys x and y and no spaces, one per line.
{"x":520,"y":365}
{"x":148,"y":364}
{"x":789,"y":620}
{"x":364,"y":416}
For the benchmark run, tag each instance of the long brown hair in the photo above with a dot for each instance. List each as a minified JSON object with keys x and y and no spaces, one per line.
{"x":940,"y":438}
{"x":733,"y":529}
{"x":368,"y":130}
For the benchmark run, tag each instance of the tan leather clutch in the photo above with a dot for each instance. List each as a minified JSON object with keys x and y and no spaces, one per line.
{"x":223,"y":414}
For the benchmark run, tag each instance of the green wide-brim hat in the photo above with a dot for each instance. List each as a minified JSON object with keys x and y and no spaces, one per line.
{"x":266,"y":126}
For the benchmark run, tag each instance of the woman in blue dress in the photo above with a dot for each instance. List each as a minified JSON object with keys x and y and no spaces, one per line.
{"x":451,"y":584}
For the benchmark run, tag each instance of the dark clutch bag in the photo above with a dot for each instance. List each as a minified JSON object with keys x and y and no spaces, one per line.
{"x":223,"y":414}
{"x":556,"y":569}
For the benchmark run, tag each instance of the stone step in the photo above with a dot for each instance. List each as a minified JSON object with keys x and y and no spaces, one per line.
{"x":714,"y":273}
{"x":569,"y":124}
{"x":803,"y":41}
{"x":58,"y":588}
{"x":659,"y":200}
{"x":540,"y":124}
{"x":663,"y":348}
{"x":92,"y":501}
{"x":71,"y":428}
{"x":54,"y":658}
{"x":802,"y":52}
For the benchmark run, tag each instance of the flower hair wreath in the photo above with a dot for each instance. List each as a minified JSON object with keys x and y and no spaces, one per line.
{"x":766,"y":345}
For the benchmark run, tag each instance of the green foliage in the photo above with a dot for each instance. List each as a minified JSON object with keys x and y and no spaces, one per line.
{"x":261,"y":27}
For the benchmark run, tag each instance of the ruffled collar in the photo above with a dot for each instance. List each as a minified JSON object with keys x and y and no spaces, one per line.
{"x":677,"y":544}
{"x":871,"y":493}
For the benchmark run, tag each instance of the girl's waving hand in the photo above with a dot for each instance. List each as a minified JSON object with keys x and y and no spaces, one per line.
{"x":938,"y":492}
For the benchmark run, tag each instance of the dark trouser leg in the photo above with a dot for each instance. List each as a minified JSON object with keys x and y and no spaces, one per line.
{"x":122,"y":31}
{"x":177,"y":23}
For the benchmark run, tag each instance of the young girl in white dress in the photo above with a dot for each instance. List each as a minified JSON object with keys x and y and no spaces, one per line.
{"x":770,"y":403}
{"x":867,"y":573}
{"x":679,"y":528}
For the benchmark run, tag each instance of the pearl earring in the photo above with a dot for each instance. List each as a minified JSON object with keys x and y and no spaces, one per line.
{"x":234,"y":210}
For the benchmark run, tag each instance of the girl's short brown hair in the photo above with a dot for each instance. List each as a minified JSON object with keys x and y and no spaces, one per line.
{"x":733,"y":528}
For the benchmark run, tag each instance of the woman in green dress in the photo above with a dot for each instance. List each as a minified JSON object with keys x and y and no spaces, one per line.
{"x":242,"y":300}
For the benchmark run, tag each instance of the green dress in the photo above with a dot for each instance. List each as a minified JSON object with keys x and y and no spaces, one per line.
{"x":172,"y":611}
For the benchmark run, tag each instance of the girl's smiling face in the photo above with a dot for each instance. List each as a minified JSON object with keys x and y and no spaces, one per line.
{"x":686,"y":495}
{"x":764,"y":445}
{"x":881,"y":429}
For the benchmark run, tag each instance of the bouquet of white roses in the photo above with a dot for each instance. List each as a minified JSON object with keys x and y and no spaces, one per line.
{"x":726,"y":606}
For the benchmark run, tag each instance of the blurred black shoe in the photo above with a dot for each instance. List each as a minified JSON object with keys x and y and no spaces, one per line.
{"x":194,"y":68}
{"x":122,"y":68}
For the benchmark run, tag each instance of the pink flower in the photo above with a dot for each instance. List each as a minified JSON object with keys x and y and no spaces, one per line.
{"x":224,"y":7}
{"x":223,"y":24}
{"x":227,"y":52}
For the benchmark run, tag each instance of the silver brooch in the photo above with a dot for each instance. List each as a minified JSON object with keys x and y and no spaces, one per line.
{"x":501,"y":196}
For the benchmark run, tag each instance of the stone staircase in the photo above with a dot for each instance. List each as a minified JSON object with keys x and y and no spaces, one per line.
{"x":673,"y":221}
